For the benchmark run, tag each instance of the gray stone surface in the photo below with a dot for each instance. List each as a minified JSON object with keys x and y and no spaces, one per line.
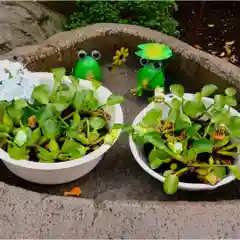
{"x":28,"y":22}
{"x":28,"y":215}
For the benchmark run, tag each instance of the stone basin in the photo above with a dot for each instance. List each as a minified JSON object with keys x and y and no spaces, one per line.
{"x":118,"y":176}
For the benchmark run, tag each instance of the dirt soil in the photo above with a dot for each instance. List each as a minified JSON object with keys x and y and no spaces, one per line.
{"x":212,"y":26}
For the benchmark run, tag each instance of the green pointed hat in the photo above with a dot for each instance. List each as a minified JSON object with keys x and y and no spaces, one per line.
{"x":154,"y":51}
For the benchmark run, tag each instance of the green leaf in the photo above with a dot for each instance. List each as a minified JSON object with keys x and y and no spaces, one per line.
{"x":15,"y":114}
{"x":76,"y":118}
{"x":220,"y":116}
{"x":41,"y":94}
{"x":170,"y":184}
{"x":235,"y":169}
{"x":231,"y":101}
{"x":97,"y":122}
{"x":234,"y":126}
{"x":230,"y":91}
{"x":208,"y":90}
{"x":18,"y":153}
{"x":5,"y":128}
{"x":152,"y":117}
{"x":114,"y":99}
{"x":36,"y":134}
{"x":45,"y":156}
{"x":172,"y":114}
{"x":7,"y":120}
{"x":175,"y":103}
{"x":58,"y":74}
{"x":111,"y":137}
{"x":158,"y":157}
{"x":70,"y":145}
{"x":203,"y":146}
{"x":185,"y":118}
{"x":44,"y":114}
{"x":219,"y":101}
{"x":96,"y":84}
{"x":177,"y":89}
{"x":174,"y":166}
{"x":168,"y":172}
{"x":198,"y":96}
{"x":93,"y":136}
{"x":19,"y":104}
{"x":53,"y":146}
{"x":193,"y":108}
{"x":75,"y":81}
{"x":220,"y":172}
{"x":50,"y":129}
{"x":176,"y":147}
{"x":155,"y":139}
{"x":193,"y":130}
{"x":80,"y":98}
{"x":211,"y":178}
{"x":22,"y":136}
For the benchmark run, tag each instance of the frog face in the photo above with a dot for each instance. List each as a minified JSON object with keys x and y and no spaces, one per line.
{"x":150,"y":75}
{"x":87,"y":66}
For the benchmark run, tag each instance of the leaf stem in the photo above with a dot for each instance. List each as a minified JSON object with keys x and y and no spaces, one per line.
{"x":225,"y":153}
{"x":207,"y":129}
{"x":68,"y":116}
{"x":62,"y":120}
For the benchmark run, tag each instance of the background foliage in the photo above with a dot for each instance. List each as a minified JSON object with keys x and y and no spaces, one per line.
{"x":153,"y":14}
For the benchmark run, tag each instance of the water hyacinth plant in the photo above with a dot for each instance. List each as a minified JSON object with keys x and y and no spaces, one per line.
{"x":195,"y":143}
{"x":55,"y":124}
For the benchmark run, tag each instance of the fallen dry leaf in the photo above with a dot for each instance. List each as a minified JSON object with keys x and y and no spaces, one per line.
{"x":222,"y":54}
{"x":229,"y":43}
{"x":197,"y":46}
{"x":75,"y":192}
{"x":228,"y":50}
{"x":211,"y":25}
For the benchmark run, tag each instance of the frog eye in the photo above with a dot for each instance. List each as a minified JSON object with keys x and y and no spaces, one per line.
{"x":96,"y":54}
{"x":82,"y":54}
{"x":157,"y":64}
{"x":143,"y":61}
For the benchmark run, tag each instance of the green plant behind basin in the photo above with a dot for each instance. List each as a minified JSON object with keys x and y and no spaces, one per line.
{"x":63,"y":123}
{"x":152,"y":14}
{"x":194,"y":139}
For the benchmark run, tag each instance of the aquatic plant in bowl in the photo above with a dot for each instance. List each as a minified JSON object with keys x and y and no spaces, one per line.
{"x":60,"y":131}
{"x":189,"y":141}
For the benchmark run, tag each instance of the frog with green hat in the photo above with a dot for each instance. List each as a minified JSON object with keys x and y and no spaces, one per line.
{"x":151,"y":74}
{"x":87,"y":66}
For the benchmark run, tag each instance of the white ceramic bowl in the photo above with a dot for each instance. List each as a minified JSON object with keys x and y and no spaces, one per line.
{"x":57,"y":173}
{"x":138,"y":153}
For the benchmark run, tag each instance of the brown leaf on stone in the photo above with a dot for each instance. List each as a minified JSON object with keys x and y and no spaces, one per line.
{"x":197,"y":46}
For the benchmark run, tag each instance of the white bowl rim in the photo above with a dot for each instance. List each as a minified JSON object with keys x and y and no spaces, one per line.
{"x":117,"y":115}
{"x":146,"y":168}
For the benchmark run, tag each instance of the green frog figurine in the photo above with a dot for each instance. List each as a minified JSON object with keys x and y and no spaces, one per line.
{"x":151,"y":74}
{"x":87,"y":67}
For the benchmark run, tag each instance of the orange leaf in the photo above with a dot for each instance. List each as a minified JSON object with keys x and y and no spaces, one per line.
{"x":75,"y":192}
